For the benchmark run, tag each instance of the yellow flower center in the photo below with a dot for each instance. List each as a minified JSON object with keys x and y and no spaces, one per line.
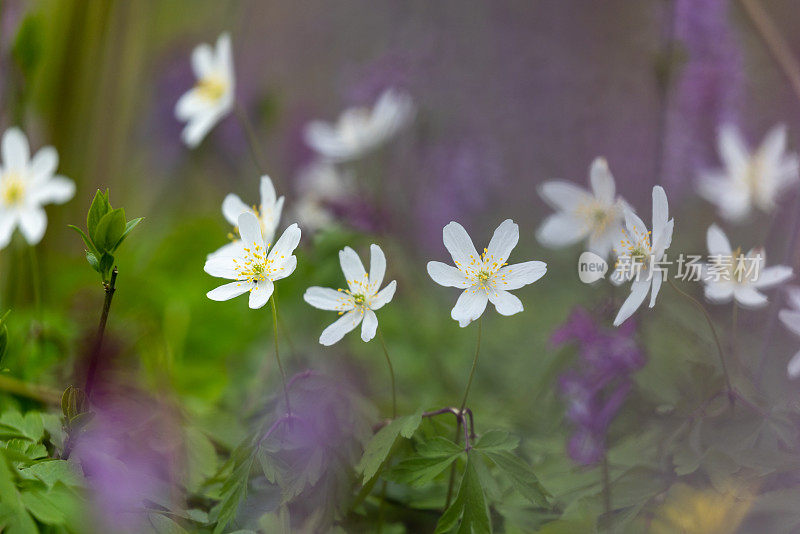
{"x":13,"y":190}
{"x":212,"y":87}
{"x":255,"y":266}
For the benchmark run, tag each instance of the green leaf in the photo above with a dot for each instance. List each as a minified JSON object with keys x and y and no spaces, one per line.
{"x":276,"y":522}
{"x":434,"y":457}
{"x":28,"y":45}
{"x":234,"y":489}
{"x":379,"y":447}
{"x":130,"y":225}
{"x":53,"y":471}
{"x":86,"y":241}
{"x":109,"y":230}
{"x":164,"y":525}
{"x":497,"y":440}
{"x":99,"y":208}
{"x":201,"y":458}
{"x":18,"y":520}
{"x":469,"y":506}
{"x":521,"y":475}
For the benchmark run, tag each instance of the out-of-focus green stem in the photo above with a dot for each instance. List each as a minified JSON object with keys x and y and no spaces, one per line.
{"x":391,"y":373}
{"x":250,"y":134}
{"x":277,"y":354}
{"x":37,"y":392}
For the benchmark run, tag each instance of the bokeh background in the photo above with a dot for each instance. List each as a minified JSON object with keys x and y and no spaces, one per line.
{"x":509,"y":94}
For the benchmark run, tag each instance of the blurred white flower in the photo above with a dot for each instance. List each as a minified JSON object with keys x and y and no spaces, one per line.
{"x":791,"y":320}
{"x":360,"y":130}
{"x":319,"y":184}
{"x":256,"y":266}
{"x":211,"y":99}
{"x":268,"y":215}
{"x":731,"y":274}
{"x":358,"y":303}
{"x":749,"y":180}
{"x":27,"y":184}
{"x":639,"y":256}
{"x":596,"y":214}
{"x":485,"y":277}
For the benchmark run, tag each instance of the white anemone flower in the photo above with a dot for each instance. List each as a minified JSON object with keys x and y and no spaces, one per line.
{"x":268,"y":214}
{"x":594,"y":215}
{"x":356,"y":304}
{"x":638,"y":256}
{"x":484,"y":277}
{"x":790,"y":318}
{"x":732,"y":275}
{"x":360,"y":130}
{"x":27,"y":184}
{"x":749,"y":180}
{"x":256,"y":266}
{"x":211,"y":99}
{"x":319,"y":184}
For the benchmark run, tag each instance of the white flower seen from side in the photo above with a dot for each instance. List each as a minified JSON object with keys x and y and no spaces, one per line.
{"x":749,"y":180}
{"x":732,"y":275}
{"x":358,"y":303}
{"x":26,"y":184}
{"x":790,"y":318}
{"x":320,"y":184}
{"x":255,"y":266}
{"x":211,"y":99}
{"x":268,"y":214}
{"x":595,"y":215}
{"x":360,"y":130}
{"x":639,"y":253}
{"x":484,"y":277}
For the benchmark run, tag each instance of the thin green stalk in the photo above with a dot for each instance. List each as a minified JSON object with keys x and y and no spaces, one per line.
{"x":37,"y":392}
{"x":277,"y":354}
{"x":252,"y":141}
{"x":94,"y":357}
{"x":452,"y":481}
{"x":36,"y":280}
{"x":391,"y":373}
{"x":710,"y":322}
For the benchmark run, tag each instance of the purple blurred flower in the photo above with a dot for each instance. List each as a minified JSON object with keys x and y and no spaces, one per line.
{"x":127,"y":453}
{"x":708,"y":87}
{"x":595,"y":393}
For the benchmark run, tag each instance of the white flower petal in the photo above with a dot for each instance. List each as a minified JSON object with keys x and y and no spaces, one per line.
{"x":250,"y":230}
{"x":190,"y":104}
{"x":232,"y":207}
{"x":470,"y":305}
{"x":229,"y":291}
{"x":44,"y":163}
{"x":352,"y":268}
{"x":203,"y":63}
{"x":342,"y":326}
{"x":447,"y":275}
{"x":774,"y":144}
{"x":459,"y":245}
{"x":15,"y":150}
{"x":288,"y":267}
{"x":793,"y":368}
{"x":794,"y":296}
{"x":773,"y":276}
{"x":377,"y":267}
{"x":639,"y":290}
{"x":658,"y":278}
{"x":561,"y":230}
{"x":503,"y":241}
{"x":732,"y":148}
{"x":56,"y":190}
{"x":33,"y":223}
{"x":717,"y":242}
{"x":520,"y":274}
{"x":602,"y":181}
{"x":504,"y":302}
{"x":791,"y":320}
{"x":198,"y":127}
{"x":660,"y":213}
{"x":322,"y":138}
{"x":325,"y":298}
{"x":267,"y":191}
{"x":633,"y":223}
{"x":234,"y":249}
{"x":8,"y":222}
{"x":564,"y":196}
{"x":664,"y":239}
{"x":260,"y":294}
{"x":369,"y":325}
{"x":749,"y":297}
{"x":384,"y":296}
{"x":221,"y":267}
{"x":719,"y":292}
{"x":284,"y":247}
{"x":225,"y":55}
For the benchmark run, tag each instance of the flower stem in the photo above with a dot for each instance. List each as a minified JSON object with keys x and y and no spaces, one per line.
{"x":277,"y":354}
{"x":250,"y":134}
{"x":702,"y":308}
{"x":391,"y":373}
{"x":94,"y":358}
{"x":461,"y":411}
{"x":474,"y":365}
{"x":42,"y":394}
{"x":36,"y":280}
